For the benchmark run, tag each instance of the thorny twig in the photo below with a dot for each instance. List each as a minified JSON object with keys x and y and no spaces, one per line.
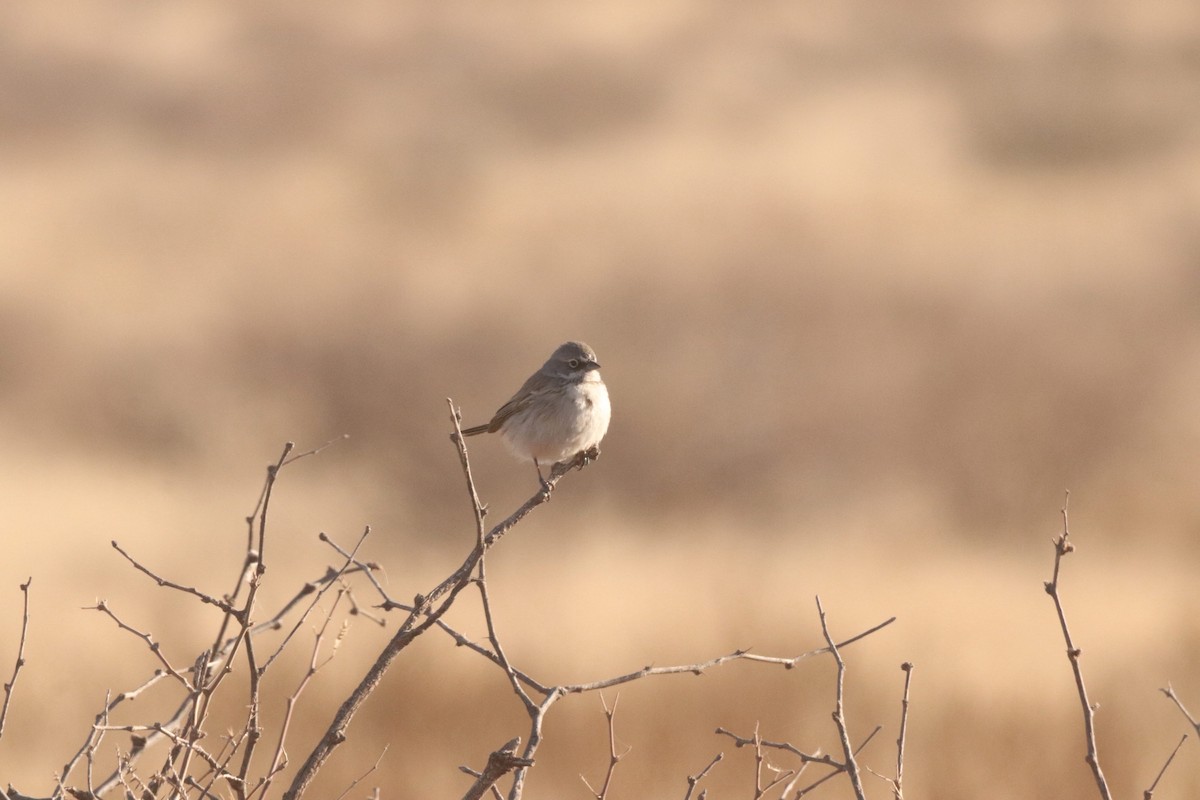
{"x":613,"y":755}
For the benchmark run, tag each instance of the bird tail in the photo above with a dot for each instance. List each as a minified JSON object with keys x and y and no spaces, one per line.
{"x":478,"y":429}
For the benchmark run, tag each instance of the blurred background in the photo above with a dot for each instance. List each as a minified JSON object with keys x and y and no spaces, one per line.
{"x":872,"y":286}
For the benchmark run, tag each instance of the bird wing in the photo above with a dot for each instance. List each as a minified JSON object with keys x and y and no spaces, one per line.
{"x":529,"y":391}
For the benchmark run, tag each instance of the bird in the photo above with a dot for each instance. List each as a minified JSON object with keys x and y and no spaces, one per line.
{"x":560,"y":412}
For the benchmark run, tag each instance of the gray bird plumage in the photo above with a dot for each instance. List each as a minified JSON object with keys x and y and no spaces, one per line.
{"x":562,"y":410}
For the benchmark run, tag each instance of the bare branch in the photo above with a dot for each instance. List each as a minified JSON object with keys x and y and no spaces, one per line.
{"x":1062,"y":546}
{"x":211,"y":760}
{"x":699,"y":776}
{"x":462,"y":641}
{"x":363,"y":777}
{"x":426,"y":611}
{"x":264,"y":502}
{"x":102,"y":719}
{"x":1170,"y":693}
{"x":700,"y":668}
{"x":191,"y":770}
{"x":185,"y":723}
{"x":20,"y":662}
{"x":816,"y":758}
{"x":477,"y":507}
{"x":501,"y":762}
{"x":324,"y":587}
{"x":648,"y":671}
{"x":839,"y":716}
{"x":278,"y":762}
{"x":810,"y":787}
{"x":252,"y":732}
{"x":1149,"y":793}
{"x":497,"y":649}
{"x":807,"y":758}
{"x":161,"y":581}
{"x":898,"y":782}
{"x":369,"y":568}
{"x":154,"y":646}
{"x":315,"y":451}
{"x":551,"y":694}
{"x":613,"y":755}
{"x":760,"y":760}
{"x":537,"y":715}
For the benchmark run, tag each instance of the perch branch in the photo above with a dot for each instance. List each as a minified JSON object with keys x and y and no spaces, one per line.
{"x":426,"y":610}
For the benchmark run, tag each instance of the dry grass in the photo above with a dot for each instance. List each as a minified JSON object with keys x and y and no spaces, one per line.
{"x":871,"y":287}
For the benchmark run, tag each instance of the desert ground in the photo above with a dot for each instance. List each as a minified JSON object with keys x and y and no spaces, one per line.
{"x":873,"y":287}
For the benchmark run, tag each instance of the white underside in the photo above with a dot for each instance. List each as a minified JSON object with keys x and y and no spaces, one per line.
{"x":560,"y":427}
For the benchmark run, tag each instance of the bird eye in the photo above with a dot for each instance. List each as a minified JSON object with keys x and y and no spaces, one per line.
{"x":573,"y":363}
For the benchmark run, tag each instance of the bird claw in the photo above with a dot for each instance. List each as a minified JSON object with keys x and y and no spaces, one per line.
{"x":561,"y":468}
{"x":586,"y":457}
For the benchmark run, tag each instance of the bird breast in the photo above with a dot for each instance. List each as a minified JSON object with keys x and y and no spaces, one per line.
{"x":555,"y":429}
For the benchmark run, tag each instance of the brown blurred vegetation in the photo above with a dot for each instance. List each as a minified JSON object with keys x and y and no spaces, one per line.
{"x":871,"y":284}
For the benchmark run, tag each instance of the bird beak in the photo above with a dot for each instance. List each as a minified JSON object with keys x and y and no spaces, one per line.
{"x":593,"y":365}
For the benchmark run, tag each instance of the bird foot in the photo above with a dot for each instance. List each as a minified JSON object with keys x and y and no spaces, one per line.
{"x":585,"y":457}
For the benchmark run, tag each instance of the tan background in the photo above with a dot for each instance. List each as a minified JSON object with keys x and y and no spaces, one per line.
{"x":872,"y":284}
